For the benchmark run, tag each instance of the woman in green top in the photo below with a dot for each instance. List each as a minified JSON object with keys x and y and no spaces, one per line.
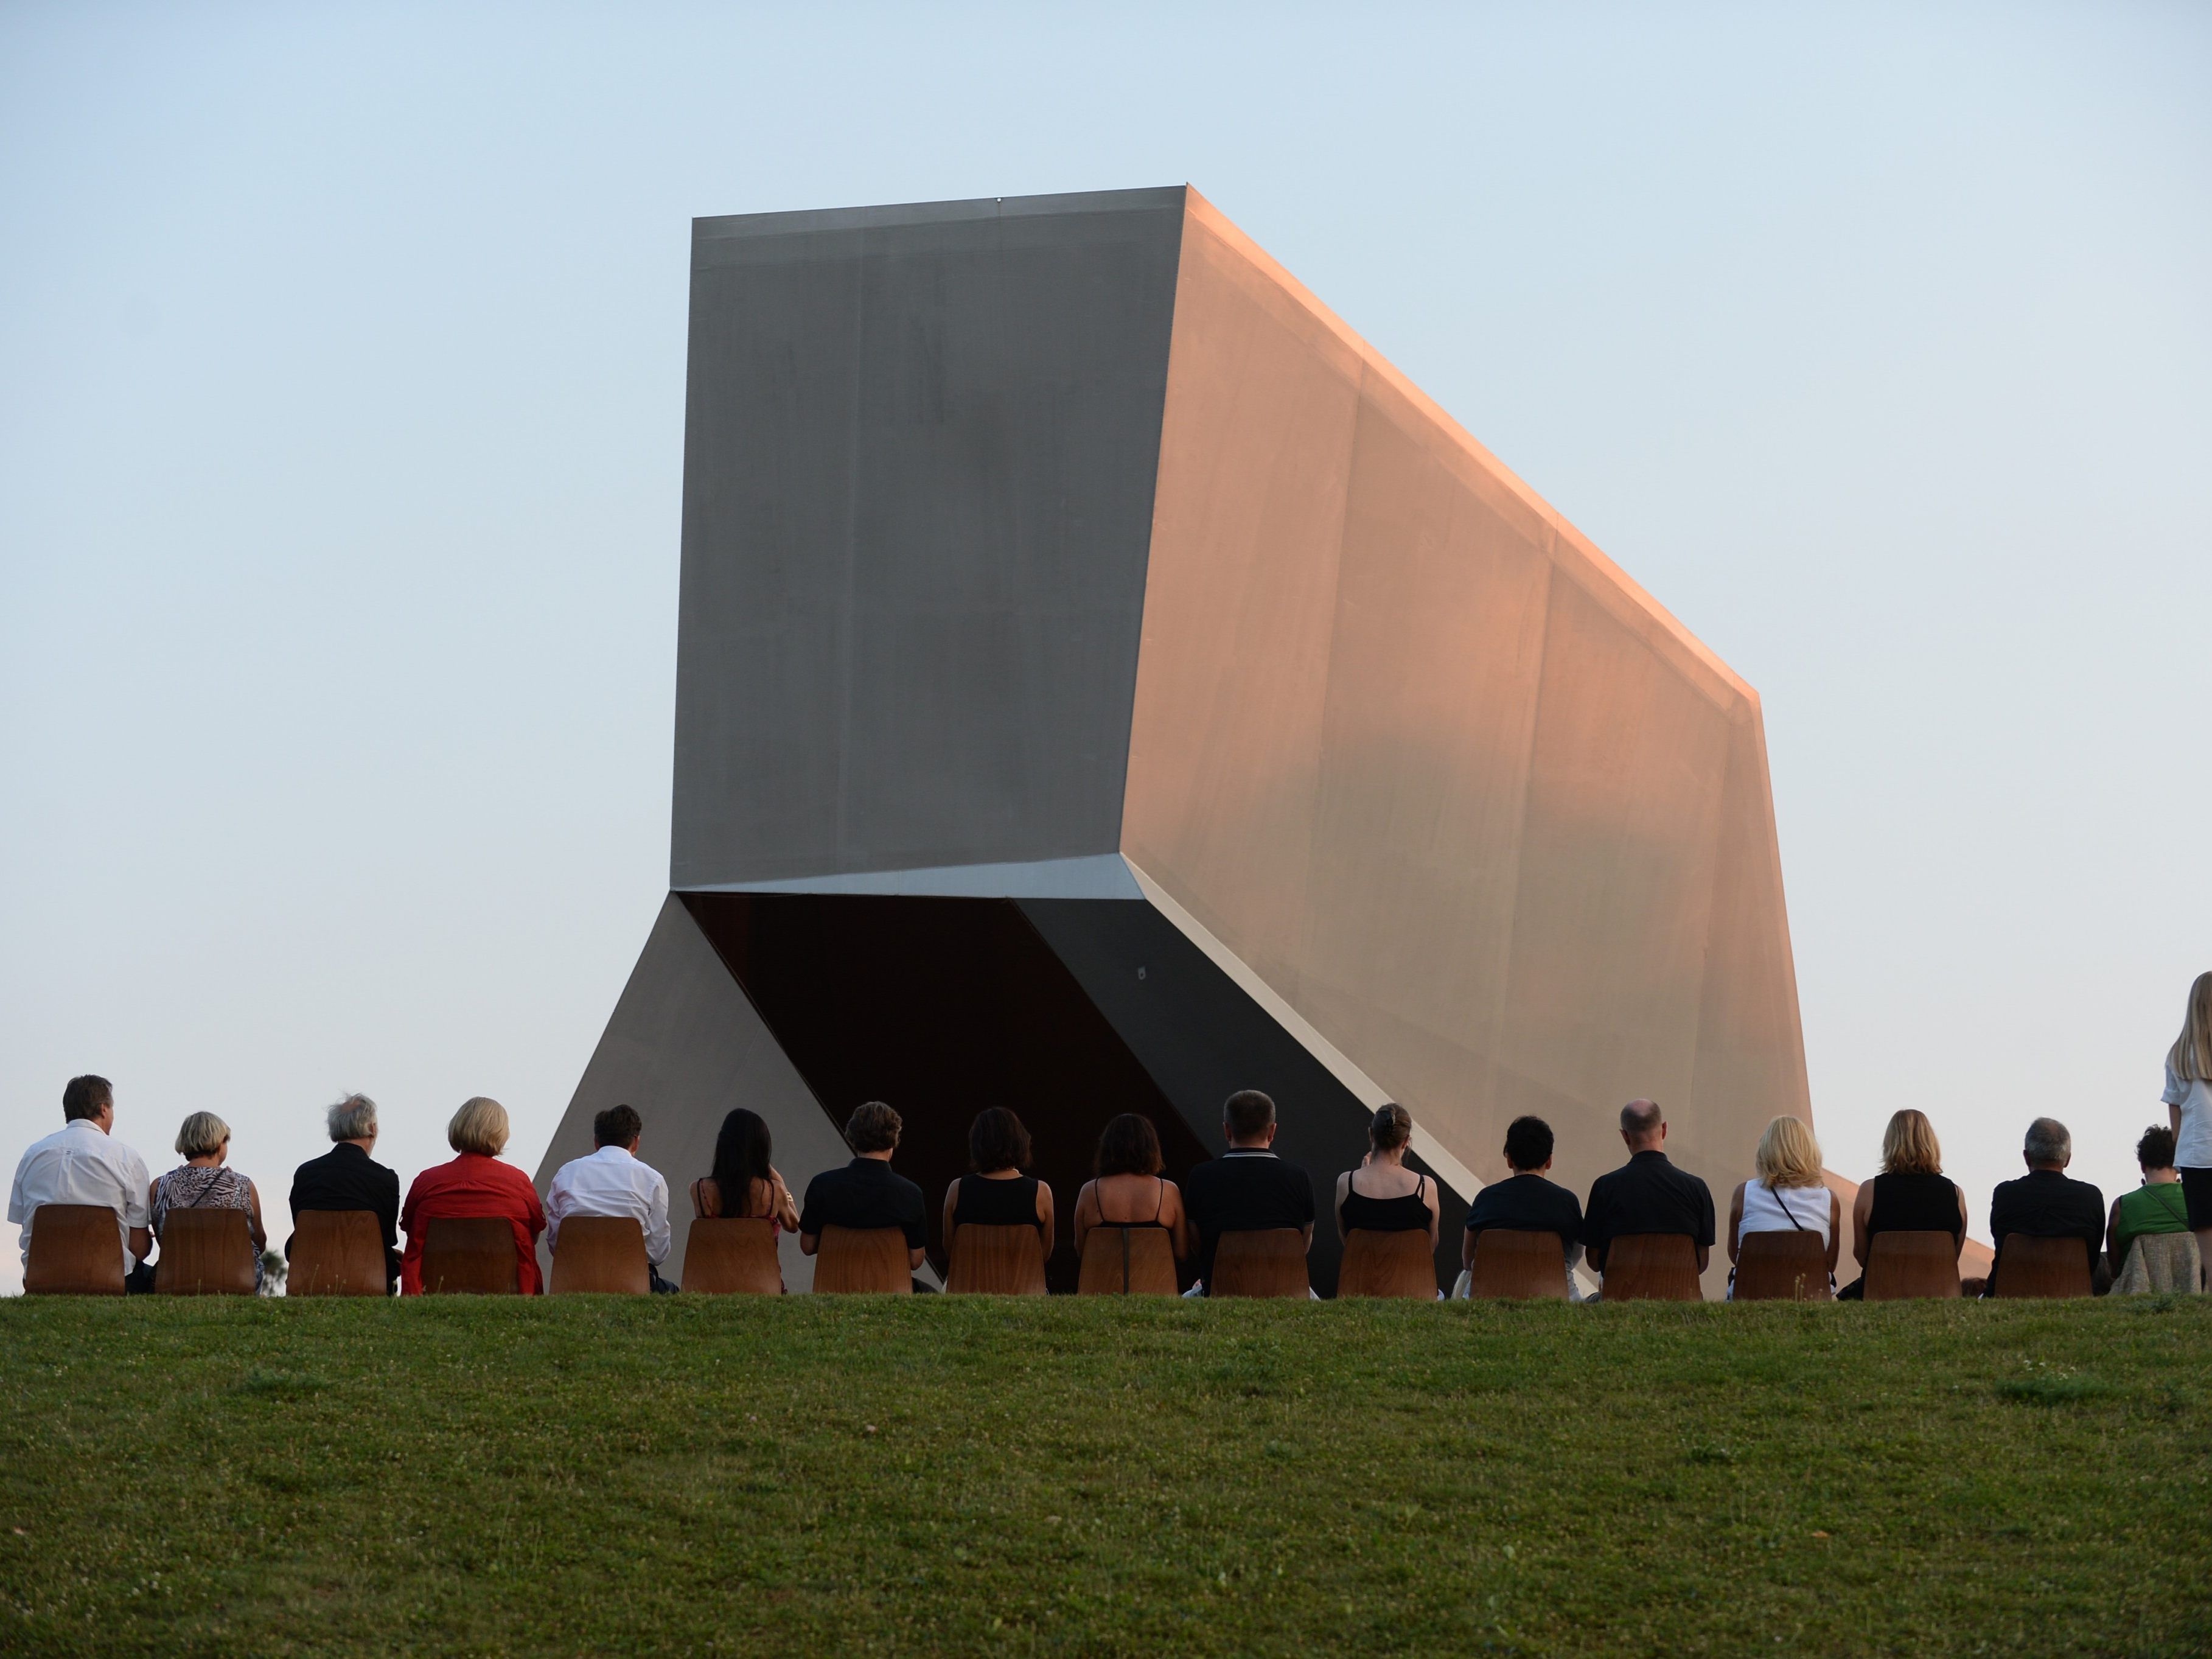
{"x":2155,"y":1217}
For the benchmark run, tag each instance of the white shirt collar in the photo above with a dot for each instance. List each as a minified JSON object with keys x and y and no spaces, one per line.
{"x":619,"y":1152}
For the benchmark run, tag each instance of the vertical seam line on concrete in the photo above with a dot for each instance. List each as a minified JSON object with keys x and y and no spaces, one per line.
{"x":846,"y":620}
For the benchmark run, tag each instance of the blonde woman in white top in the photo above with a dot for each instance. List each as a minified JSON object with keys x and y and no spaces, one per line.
{"x":1790,"y":1194}
{"x":2189,"y":1104}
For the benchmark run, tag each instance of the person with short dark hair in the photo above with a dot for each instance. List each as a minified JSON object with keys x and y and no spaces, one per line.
{"x":746,"y":1184}
{"x":613,"y":1181}
{"x":1127,"y":1188}
{"x":2048,"y":1203}
{"x":1525,"y":1201}
{"x":867,"y":1193}
{"x":1248,"y":1188}
{"x":347,"y":1178}
{"x":997,"y":1191}
{"x":1648,"y":1194}
{"x":1397,"y":1199}
{"x":2148,"y":1242}
{"x":83,"y":1163}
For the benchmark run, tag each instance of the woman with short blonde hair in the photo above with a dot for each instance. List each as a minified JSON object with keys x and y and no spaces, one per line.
{"x":475,"y":1185}
{"x":1778,"y":1200}
{"x":1910,"y":1194}
{"x":201,"y":1183}
{"x":2188,"y":1098}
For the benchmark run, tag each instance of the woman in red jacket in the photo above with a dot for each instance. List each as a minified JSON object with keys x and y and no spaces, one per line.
{"x":475,"y":1184}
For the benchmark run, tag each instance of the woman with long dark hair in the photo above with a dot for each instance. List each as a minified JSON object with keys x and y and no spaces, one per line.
{"x":745,"y":1182}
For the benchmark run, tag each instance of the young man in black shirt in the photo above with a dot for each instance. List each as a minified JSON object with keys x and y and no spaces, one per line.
{"x":1648,"y":1194}
{"x":1524,"y":1201}
{"x":1247,"y":1189}
{"x":866,"y":1194}
{"x":347,"y":1178}
{"x":2048,"y":1203}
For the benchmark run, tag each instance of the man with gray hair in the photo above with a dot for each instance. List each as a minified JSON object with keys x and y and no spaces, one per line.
{"x":347,"y":1178}
{"x":2048,"y":1203}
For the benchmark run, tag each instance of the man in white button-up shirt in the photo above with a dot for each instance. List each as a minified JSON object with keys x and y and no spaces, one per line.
{"x":84,"y":1164}
{"x":611,"y":1181}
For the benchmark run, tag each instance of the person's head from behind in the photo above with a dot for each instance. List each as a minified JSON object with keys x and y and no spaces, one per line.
{"x":1248,"y":1117}
{"x":204,"y":1135}
{"x":1642,"y":1126}
{"x":1527,"y":1145}
{"x":2154,"y":1151}
{"x":997,"y":1141}
{"x":88,"y":1099}
{"x":618,"y":1125}
{"x":1909,"y":1145}
{"x":741,"y":1151}
{"x":1389,"y":1131}
{"x":1130,"y":1145}
{"x":1787,"y":1155}
{"x":2047,"y":1145}
{"x":352,"y":1119}
{"x":2192,"y":1054}
{"x":480,"y":1127}
{"x":872,"y":1131}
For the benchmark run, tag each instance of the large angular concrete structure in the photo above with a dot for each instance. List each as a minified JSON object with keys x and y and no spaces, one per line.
{"x":1104,"y":682}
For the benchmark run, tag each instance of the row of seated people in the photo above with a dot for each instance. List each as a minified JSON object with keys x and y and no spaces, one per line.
{"x":1647,"y":1231}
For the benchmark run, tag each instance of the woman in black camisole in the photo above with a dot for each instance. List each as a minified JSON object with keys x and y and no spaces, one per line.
{"x":1911,"y":1195}
{"x":1382,"y":1195}
{"x":997,"y":1193}
{"x":1129,"y":1190}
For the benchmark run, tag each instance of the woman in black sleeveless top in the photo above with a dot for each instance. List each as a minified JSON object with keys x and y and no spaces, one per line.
{"x":997,"y":1193}
{"x":1382,"y":1195}
{"x":1129,"y":1190}
{"x":1911,"y":1195}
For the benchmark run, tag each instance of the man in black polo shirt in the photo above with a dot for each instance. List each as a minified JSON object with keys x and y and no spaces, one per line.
{"x":2048,"y":1203}
{"x":1647,"y":1194}
{"x":1248,"y":1189}
{"x":1525,"y":1202}
{"x":347,"y":1178}
{"x":866,"y":1194}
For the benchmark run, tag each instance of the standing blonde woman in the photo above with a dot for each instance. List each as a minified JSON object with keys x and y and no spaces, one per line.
{"x":2189,"y":1105}
{"x":1790,"y":1195}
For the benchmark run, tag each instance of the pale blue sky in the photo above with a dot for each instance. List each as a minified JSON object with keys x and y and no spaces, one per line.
{"x":341,"y":407}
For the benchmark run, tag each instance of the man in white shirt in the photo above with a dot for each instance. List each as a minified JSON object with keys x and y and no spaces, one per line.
{"x":84,"y":1164}
{"x":611,"y":1181}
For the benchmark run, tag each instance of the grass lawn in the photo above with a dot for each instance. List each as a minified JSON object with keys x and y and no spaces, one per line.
{"x":813,"y":1476}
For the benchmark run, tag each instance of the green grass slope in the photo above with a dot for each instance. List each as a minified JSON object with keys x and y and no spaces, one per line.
{"x":813,"y":1477}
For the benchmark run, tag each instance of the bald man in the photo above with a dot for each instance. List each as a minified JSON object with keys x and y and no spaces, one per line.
{"x":1648,"y":1194}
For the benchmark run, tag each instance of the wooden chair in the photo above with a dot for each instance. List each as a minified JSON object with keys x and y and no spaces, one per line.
{"x":77,"y":1250}
{"x":2027,"y":1266}
{"x":336,"y":1252}
{"x":996,"y":1261}
{"x":470,"y":1255}
{"x":1518,"y":1265}
{"x":1782,"y":1267}
{"x":1127,"y":1262}
{"x":205,"y":1253}
{"x":1269,"y":1262}
{"x":601,"y":1255}
{"x":862,"y":1261}
{"x":1906,"y":1266}
{"x":731,"y":1256}
{"x":1651,"y":1267}
{"x":1400,"y":1264}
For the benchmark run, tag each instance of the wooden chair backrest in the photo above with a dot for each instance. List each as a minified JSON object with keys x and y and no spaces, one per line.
{"x":1652,"y":1268}
{"x":1395,"y":1264}
{"x":1905,"y":1266}
{"x":2027,"y":1266}
{"x":470,"y":1255}
{"x":77,"y":1250}
{"x":1518,"y":1265}
{"x":205,"y":1253}
{"x":996,"y":1261}
{"x":1127,"y":1262}
{"x":731,"y":1256}
{"x":1269,"y":1262}
{"x":861,"y":1260}
{"x":600,"y":1255}
{"x":336,"y":1252}
{"x":1782,"y":1267}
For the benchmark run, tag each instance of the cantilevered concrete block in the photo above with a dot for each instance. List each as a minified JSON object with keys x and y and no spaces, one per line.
{"x":1105,"y":682}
